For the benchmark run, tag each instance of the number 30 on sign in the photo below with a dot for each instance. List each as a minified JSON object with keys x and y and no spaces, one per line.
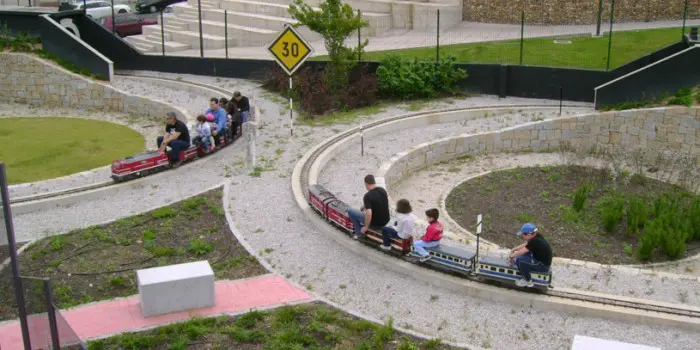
{"x":290,"y":50}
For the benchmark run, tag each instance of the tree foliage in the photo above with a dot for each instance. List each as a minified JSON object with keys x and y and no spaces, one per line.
{"x":335,"y":22}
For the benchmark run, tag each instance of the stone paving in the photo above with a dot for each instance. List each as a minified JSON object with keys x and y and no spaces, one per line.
{"x":102,"y":319}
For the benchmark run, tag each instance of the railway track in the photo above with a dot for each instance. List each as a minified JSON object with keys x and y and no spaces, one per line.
{"x":593,"y":298}
{"x":108,"y":183}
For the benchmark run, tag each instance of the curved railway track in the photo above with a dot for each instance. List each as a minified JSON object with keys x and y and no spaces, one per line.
{"x":109,"y":183}
{"x":604,"y":300}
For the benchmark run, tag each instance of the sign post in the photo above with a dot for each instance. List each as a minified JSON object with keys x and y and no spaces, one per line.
{"x":290,"y":51}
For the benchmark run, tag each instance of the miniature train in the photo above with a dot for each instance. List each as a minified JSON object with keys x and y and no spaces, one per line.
{"x":147,"y":163}
{"x":461,"y":261}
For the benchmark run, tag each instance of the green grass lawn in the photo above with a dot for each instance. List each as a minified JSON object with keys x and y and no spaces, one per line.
{"x":583,"y":52}
{"x":36,"y":149}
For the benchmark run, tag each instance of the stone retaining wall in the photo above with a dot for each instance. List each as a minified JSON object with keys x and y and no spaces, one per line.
{"x":675,"y":129}
{"x":576,"y":11}
{"x":30,"y":80}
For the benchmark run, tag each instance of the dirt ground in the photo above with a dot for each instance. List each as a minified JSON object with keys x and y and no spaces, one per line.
{"x":544,"y":196}
{"x":99,"y":262}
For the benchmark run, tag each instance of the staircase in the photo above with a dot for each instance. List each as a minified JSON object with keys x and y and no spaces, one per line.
{"x":258,"y":22}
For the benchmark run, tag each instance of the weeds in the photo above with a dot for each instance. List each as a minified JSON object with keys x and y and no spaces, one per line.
{"x":580,"y":196}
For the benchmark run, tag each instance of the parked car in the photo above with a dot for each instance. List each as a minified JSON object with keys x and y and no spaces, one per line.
{"x":99,"y":9}
{"x":152,"y":6}
{"x":127,"y":23}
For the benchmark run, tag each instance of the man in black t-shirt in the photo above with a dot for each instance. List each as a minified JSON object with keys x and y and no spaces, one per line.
{"x":533,"y":255}
{"x":375,"y":209}
{"x":176,"y":136}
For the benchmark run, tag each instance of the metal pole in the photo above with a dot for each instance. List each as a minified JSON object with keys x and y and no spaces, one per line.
{"x":612,"y":18}
{"x":162,"y":32}
{"x":201,"y":39}
{"x":226,"y":31}
{"x":84,"y":6}
{"x":114,"y":28}
{"x":478,"y":235}
{"x":522,"y":35}
{"x":362,"y":141}
{"x":51,"y":312}
{"x":561,"y":98}
{"x":600,"y":17}
{"x":437,"y":50}
{"x":291,"y":108}
{"x":359,"y":39}
{"x":12,"y":245}
{"x":685,"y":18}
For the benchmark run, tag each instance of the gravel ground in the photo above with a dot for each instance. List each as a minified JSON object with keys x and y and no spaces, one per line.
{"x":321,"y":266}
{"x":147,"y":129}
{"x":421,"y":186}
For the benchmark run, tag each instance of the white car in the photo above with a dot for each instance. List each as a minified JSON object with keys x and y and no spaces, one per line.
{"x":99,"y":9}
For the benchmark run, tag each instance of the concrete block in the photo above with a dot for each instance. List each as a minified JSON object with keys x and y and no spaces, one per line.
{"x":175,"y":288}
{"x":589,"y":343}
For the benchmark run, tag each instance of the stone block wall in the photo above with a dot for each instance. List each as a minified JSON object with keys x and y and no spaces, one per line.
{"x":675,"y":129}
{"x":568,"y":12}
{"x":28,"y":79}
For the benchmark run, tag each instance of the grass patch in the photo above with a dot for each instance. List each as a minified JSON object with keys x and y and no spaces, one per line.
{"x":309,"y":326}
{"x":583,"y":52}
{"x":74,"y":146}
{"x":99,"y":262}
{"x":344,"y":117}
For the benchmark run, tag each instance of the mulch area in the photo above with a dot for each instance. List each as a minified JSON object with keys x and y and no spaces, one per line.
{"x":544,"y":196}
{"x":99,"y":262}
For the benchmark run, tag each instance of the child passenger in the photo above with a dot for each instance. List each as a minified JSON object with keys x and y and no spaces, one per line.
{"x":204,"y":133}
{"x":403,"y":225}
{"x":432,"y":237}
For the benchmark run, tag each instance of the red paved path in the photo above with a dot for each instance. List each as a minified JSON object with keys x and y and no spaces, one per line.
{"x":117,"y":316}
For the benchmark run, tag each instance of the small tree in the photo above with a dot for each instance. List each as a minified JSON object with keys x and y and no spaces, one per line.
{"x":335,"y":22}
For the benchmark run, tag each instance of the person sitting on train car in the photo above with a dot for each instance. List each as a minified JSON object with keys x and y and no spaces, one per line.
{"x":375,"y":209}
{"x":219,"y":118}
{"x":533,"y":255}
{"x":234,"y":117}
{"x":204,"y":133}
{"x":403,"y":226}
{"x":176,"y":136}
{"x":432,"y":236}
{"x":243,"y":106}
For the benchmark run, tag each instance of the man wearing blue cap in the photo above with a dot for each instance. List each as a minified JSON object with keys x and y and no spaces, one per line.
{"x":533,"y":255}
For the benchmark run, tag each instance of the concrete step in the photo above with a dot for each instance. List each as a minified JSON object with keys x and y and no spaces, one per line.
{"x":150,"y":45}
{"x":187,"y":37}
{"x":251,"y":20}
{"x":241,"y":35}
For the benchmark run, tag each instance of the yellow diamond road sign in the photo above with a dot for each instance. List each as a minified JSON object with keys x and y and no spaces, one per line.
{"x":290,"y":50}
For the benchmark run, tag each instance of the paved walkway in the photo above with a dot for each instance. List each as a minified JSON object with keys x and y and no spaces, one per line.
{"x":102,"y":319}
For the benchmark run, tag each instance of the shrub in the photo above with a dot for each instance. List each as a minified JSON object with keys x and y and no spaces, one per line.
{"x":650,"y":240}
{"x":692,"y":214}
{"x":612,"y":208}
{"x":637,"y":214}
{"x":580,"y":197}
{"x":685,"y":100}
{"x":405,"y":79}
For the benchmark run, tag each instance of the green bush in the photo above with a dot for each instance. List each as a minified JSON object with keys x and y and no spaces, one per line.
{"x":405,"y":79}
{"x":650,"y":240}
{"x":580,"y":197}
{"x":612,"y":209}
{"x":692,"y":214}
{"x":685,"y":100}
{"x":637,"y":214}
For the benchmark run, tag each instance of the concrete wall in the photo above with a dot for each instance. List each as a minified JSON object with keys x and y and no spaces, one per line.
{"x":30,"y":80}
{"x":656,"y":130}
{"x":575,"y":11}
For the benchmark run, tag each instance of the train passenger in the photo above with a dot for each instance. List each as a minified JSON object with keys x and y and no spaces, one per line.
{"x":233,"y":119}
{"x":432,"y":236}
{"x":403,"y":226}
{"x":243,"y":105}
{"x":176,"y":136}
{"x":204,"y":133}
{"x":533,"y":255}
{"x":375,"y":209}
{"x":219,"y":118}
